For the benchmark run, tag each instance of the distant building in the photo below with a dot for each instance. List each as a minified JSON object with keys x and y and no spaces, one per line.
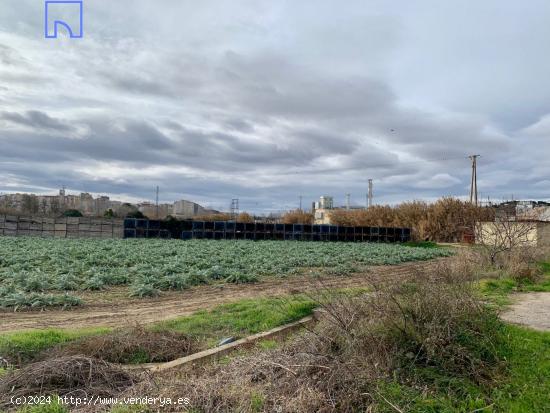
{"x":150,"y":210}
{"x":523,"y":210}
{"x":188,"y":209}
{"x":323,"y":209}
{"x":90,"y":206}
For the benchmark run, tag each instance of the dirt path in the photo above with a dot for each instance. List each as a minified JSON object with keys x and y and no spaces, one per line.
{"x":176,"y":304}
{"x":531,"y":310}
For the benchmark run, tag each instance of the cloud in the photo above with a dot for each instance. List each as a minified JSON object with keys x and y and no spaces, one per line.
{"x":36,"y":119}
{"x":266,"y":101}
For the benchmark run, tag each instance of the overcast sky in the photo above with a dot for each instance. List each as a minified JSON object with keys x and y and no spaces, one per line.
{"x":267,"y":100}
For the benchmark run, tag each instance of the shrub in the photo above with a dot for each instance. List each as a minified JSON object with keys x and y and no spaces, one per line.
{"x":144,"y":290}
{"x":426,"y":332}
{"x":135,"y":214}
{"x":446,"y":220}
{"x":72,"y":213}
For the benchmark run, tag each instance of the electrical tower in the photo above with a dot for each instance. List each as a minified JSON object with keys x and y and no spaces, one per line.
{"x":234,"y":208}
{"x":347,"y":201}
{"x":157,"y":203}
{"x":369,"y":196}
{"x":473,"y":186}
{"x":301,"y":197}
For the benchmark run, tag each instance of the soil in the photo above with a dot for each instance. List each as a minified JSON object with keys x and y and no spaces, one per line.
{"x":531,"y":310}
{"x":113,"y":308}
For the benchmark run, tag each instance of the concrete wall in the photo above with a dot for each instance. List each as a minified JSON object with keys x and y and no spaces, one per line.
{"x":535,"y":233}
{"x":81,"y":227}
{"x":543,"y":234}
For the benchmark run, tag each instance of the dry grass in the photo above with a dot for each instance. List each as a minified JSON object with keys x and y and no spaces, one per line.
{"x":134,"y":345}
{"x":76,"y":375}
{"x":435,"y":322}
{"x":446,"y":220}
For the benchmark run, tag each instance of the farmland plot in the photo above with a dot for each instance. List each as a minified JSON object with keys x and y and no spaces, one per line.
{"x":50,"y":272}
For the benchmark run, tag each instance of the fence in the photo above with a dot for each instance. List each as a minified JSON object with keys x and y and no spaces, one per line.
{"x":142,"y":228}
{"x":77,"y":227}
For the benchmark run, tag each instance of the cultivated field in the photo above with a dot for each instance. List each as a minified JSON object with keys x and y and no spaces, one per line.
{"x":40,"y":273}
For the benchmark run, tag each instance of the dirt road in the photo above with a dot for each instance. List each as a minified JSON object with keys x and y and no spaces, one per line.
{"x":122,"y":311}
{"x":530,"y":310}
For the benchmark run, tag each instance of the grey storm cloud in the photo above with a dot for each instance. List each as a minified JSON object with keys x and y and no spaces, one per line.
{"x":37,"y":120}
{"x":266,"y":100}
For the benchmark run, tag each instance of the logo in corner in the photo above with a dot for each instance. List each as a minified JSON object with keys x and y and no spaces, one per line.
{"x":64,"y":14}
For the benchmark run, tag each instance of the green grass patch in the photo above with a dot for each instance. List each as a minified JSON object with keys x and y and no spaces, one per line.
{"x":20,"y":347}
{"x":522,"y":388}
{"x":498,"y":290}
{"x":422,"y":244}
{"x":241,"y":318}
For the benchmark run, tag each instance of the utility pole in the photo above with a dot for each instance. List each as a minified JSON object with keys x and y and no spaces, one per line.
{"x":369,"y":196}
{"x":301,"y":202}
{"x":473,"y":186}
{"x":157,"y":202}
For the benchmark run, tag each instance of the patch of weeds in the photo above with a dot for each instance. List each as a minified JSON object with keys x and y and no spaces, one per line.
{"x":267,"y":344}
{"x":22,"y":347}
{"x":144,"y":290}
{"x":257,"y":401}
{"x":421,"y":244}
{"x":241,"y":318}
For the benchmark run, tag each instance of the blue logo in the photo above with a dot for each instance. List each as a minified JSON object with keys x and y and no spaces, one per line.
{"x":66,"y":14}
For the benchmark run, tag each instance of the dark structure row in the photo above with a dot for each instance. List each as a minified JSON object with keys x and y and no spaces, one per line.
{"x":143,"y":228}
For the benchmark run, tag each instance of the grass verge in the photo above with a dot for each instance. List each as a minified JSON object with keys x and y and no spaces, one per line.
{"x":240,"y":318}
{"x":208,"y":327}
{"x":522,"y":389}
{"x":21,"y":347}
{"x":498,"y":290}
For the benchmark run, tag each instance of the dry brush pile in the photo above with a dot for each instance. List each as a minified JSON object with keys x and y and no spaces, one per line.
{"x":446,"y":220}
{"x":435,"y":322}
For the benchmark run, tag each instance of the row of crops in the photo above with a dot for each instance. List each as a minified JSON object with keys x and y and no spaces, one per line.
{"x":50,"y":272}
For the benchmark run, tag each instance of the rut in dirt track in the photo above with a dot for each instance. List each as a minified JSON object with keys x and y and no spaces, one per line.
{"x":177,"y":304}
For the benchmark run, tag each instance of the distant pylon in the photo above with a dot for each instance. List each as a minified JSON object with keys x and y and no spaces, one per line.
{"x":473,"y":186}
{"x":157,"y":202}
{"x":234,"y":208}
{"x":348,"y":201}
{"x":369,"y":196}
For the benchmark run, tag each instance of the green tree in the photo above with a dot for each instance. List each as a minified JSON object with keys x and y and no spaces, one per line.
{"x":72,"y":213}
{"x":135,"y":214}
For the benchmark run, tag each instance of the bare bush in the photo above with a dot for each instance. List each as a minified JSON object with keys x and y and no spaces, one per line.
{"x":77,"y":376}
{"x":509,"y":246}
{"x":133,"y":345}
{"x":297,"y":217}
{"x":446,"y":220}
{"x":432,"y":322}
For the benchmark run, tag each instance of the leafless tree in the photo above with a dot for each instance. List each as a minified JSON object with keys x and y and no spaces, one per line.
{"x":505,"y":236}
